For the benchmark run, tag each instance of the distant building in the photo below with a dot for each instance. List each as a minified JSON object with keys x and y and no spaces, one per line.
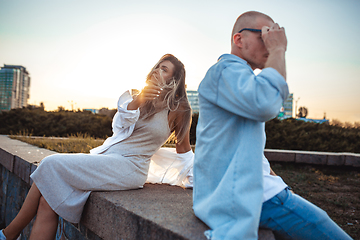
{"x":286,"y":110}
{"x":193,"y":97}
{"x":14,"y":87}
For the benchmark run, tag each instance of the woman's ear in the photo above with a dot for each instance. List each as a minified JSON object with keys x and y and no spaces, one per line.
{"x":238,"y":40}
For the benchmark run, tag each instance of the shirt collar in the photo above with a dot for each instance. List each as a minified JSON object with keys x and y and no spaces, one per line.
{"x":233,"y":58}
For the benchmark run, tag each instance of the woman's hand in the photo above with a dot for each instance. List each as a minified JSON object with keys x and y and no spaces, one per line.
{"x":149,"y":92}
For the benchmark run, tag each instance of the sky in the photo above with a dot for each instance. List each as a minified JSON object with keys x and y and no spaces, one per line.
{"x":85,"y":53}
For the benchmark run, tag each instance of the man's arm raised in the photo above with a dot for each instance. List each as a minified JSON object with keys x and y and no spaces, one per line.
{"x":275,"y":41}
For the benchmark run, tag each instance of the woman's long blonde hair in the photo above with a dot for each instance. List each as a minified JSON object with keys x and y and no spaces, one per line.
{"x":173,"y":96}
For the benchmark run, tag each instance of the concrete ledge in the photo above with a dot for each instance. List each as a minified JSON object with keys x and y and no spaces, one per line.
{"x":334,"y":159}
{"x":155,"y":212}
{"x":7,"y":160}
{"x":319,"y":158}
{"x":352,"y":159}
{"x":280,"y":155}
{"x":311,"y":158}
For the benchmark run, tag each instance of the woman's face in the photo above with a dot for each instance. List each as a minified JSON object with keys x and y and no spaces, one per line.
{"x":165,"y":70}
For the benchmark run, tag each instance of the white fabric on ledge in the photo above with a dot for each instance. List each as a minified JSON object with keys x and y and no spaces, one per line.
{"x":169,"y":167}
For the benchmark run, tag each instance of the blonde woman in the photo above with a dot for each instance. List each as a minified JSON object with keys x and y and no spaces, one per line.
{"x":63,"y":182}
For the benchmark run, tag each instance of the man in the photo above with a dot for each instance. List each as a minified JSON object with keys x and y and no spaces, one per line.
{"x":234,"y":187}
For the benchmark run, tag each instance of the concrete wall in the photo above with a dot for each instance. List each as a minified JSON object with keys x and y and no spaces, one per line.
{"x":17,"y":161}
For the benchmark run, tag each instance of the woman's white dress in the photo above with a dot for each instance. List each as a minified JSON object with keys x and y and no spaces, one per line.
{"x":66,"y":180}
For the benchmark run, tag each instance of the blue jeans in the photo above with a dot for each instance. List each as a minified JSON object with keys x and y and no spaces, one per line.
{"x":290,"y":216}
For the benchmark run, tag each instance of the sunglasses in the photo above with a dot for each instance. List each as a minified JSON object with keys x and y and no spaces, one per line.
{"x":250,"y":29}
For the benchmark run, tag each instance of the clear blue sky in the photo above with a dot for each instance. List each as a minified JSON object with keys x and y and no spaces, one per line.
{"x":87,"y":52}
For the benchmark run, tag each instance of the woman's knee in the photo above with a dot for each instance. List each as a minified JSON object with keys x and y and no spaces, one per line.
{"x":49,"y":162}
{"x":44,"y":208}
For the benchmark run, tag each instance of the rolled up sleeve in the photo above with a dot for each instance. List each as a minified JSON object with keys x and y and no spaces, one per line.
{"x":254,"y":97}
{"x":124,"y":118}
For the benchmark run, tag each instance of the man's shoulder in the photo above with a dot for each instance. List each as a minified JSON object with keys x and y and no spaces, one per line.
{"x":229,"y":62}
{"x":231,"y":59}
{"x":226,"y":61}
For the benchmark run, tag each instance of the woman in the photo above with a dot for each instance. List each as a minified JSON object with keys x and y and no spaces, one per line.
{"x":63,"y":182}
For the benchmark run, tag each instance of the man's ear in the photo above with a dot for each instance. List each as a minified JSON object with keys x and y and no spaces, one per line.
{"x":238,"y":40}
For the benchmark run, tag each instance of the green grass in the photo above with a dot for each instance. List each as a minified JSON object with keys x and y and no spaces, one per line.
{"x":80,"y":143}
{"x":334,"y":189}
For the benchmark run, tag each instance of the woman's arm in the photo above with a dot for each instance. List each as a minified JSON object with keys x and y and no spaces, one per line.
{"x":184,"y":145}
{"x":124,"y":118}
{"x":272,"y":172}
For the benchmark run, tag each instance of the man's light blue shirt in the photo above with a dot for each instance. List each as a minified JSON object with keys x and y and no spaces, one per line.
{"x":228,"y":182}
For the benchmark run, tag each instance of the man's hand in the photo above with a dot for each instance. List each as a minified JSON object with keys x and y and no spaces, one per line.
{"x":149,"y":92}
{"x":275,"y":42}
{"x":274,"y":38}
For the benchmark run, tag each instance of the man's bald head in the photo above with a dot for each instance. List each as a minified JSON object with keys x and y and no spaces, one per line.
{"x":249,"y":45}
{"x":248,"y":20}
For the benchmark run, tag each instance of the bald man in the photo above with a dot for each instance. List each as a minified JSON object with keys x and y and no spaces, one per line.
{"x":235,"y":190}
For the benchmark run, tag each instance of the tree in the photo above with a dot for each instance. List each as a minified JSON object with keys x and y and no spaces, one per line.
{"x":303,"y":112}
{"x":336,"y":122}
{"x":42,"y":106}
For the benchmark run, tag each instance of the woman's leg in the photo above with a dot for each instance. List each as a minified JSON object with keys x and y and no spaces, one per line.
{"x":25,"y":215}
{"x":46,"y":222}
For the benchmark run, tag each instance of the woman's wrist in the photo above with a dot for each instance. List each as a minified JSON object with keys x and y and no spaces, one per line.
{"x":133,"y":105}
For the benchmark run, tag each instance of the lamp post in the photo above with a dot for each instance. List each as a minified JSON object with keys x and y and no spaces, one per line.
{"x":72,"y":105}
{"x":296,"y":101}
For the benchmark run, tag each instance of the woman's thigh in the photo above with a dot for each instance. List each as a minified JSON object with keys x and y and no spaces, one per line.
{"x":292,"y":217}
{"x":92,"y":171}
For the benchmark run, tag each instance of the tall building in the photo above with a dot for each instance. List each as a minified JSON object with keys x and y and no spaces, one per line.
{"x":193,"y":97}
{"x":14,"y":87}
{"x":287,"y":109}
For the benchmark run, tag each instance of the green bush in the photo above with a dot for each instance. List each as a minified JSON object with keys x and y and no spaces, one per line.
{"x":37,"y":122}
{"x":289,"y":134}
{"x":292,"y":134}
